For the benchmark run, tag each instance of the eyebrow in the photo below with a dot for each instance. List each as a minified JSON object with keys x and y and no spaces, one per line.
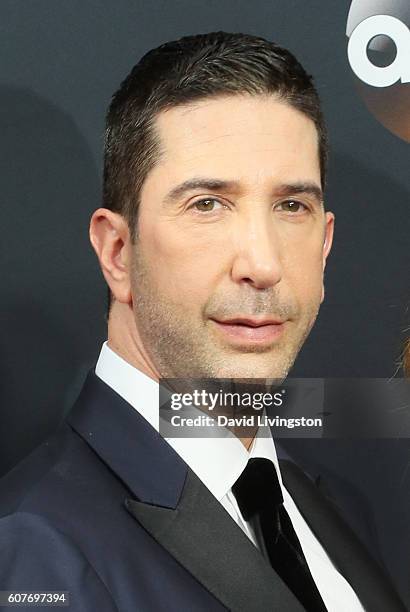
{"x":303,"y":187}
{"x":211,"y":184}
{"x":208,"y":184}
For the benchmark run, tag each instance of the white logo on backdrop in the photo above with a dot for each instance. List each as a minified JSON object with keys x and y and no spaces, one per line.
{"x":378,"y":51}
{"x":363,"y":34}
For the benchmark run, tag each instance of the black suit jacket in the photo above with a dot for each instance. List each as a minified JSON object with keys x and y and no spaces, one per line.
{"x":106,"y":510}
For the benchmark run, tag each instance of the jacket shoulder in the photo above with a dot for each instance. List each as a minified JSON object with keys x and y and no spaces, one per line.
{"x":37,"y":557}
{"x":19,"y":484}
{"x":38,"y":553}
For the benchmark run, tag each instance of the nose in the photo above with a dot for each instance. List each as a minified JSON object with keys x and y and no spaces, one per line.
{"x":257,"y":258}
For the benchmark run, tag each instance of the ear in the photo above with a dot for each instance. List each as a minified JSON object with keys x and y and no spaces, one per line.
{"x":110,"y":238}
{"x":327,"y":244}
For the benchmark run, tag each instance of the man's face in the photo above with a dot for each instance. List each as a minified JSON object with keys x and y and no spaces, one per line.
{"x":231,"y":234}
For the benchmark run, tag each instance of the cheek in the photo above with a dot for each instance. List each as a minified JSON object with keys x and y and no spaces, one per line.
{"x":184,"y":264}
{"x":303,"y":272}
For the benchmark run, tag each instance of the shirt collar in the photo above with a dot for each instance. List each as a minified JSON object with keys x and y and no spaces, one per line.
{"x":218,"y":462}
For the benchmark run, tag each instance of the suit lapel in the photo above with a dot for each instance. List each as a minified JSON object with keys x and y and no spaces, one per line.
{"x":170,"y":502}
{"x":349,"y":555}
{"x":201,"y":535}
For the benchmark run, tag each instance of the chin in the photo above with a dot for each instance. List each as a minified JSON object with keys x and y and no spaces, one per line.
{"x":255,"y":371}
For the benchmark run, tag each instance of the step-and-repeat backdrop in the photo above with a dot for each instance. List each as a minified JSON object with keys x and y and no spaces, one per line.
{"x":60,"y":63}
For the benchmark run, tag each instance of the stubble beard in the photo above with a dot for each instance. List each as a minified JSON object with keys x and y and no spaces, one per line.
{"x":180,"y":350}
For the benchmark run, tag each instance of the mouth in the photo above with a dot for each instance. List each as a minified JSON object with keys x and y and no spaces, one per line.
{"x":246,"y":330}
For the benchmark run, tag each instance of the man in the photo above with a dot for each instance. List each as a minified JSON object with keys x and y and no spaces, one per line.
{"x":213,"y":240}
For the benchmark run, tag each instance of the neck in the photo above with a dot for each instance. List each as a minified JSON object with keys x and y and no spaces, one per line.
{"x":124,"y":339}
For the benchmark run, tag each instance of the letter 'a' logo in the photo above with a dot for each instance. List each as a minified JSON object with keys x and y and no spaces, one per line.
{"x":379,"y":55}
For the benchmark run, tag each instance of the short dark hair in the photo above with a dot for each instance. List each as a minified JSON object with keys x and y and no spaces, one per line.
{"x":180,"y":72}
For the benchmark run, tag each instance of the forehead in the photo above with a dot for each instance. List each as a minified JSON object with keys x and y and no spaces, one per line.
{"x":239,"y":136}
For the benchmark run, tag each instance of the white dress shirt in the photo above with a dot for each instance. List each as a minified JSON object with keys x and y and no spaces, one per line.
{"x":219,"y":462}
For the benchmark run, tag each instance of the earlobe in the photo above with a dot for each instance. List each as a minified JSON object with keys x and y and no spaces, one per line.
{"x":324,"y":256}
{"x":327,"y":245}
{"x":109,"y":237}
{"x":328,"y":238}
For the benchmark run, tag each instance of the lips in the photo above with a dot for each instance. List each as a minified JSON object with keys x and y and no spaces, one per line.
{"x":249,"y":322}
{"x":245,"y":330}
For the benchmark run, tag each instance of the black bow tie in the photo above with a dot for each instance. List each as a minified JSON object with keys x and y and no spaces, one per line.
{"x":259,"y":498}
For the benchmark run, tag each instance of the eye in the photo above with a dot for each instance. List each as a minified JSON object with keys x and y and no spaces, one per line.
{"x":205,"y":205}
{"x":292,"y":206}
